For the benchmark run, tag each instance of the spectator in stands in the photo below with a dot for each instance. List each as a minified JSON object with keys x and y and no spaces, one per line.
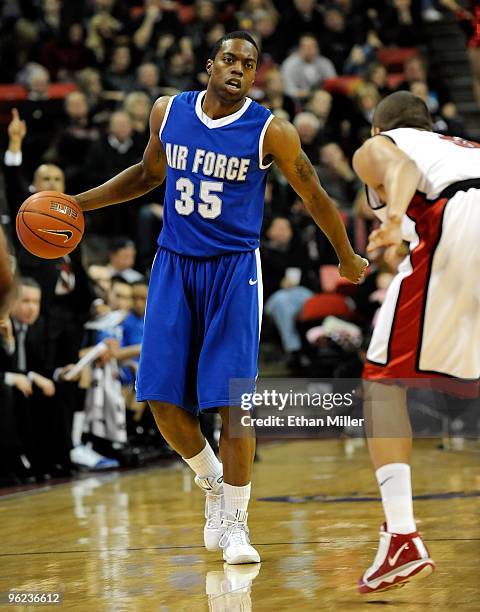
{"x":121,"y":255}
{"x":117,"y":150}
{"x":50,"y":22}
{"x":415,"y":69}
{"x":102,"y":29}
{"x":67,"y":53}
{"x":285,"y":266}
{"x":337,"y":38}
{"x":308,"y":128}
{"x":118,"y":76}
{"x":376,"y":74}
{"x":303,"y":17}
{"x":90,"y":83}
{"x":265,"y":26}
{"x":445,"y":120}
{"x":276,"y":98}
{"x":138,"y":106}
{"x":306,"y":68}
{"x":19,"y":44}
{"x":336,"y":175}
{"x":73,"y":142}
{"x":179,"y":69}
{"x":159,"y":17}
{"x":148,"y":80}
{"x":401,"y":24}
{"x":320,"y":104}
{"x":23,"y":360}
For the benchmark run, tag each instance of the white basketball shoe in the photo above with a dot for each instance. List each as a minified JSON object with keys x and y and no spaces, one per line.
{"x":213,"y":530}
{"x":235,"y":541}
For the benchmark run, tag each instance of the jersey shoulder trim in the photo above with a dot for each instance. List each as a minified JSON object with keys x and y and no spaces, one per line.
{"x":261,"y":165}
{"x":165,"y":116}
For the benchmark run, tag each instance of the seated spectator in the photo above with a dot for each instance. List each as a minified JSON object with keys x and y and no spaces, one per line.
{"x":415,"y":69}
{"x":376,"y":74}
{"x":40,"y":112}
{"x":445,"y":120}
{"x":90,"y":83}
{"x":148,"y":80}
{"x":102,"y":28}
{"x":336,"y":175}
{"x":121,"y":255}
{"x":276,"y":99}
{"x":138,"y":106}
{"x":158,"y":17}
{"x":264,"y":26}
{"x":306,"y":69}
{"x":179,"y":69}
{"x":72,"y":144}
{"x":366,"y":97}
{"x":67,"y":53}
{"x":118,"y":76}
{"x":320,"y":104}
{"x":114,"y":152}
{"x":401,"y":24}
{"x":337,"y":38}
{"x":308,"y":128}
{"x":25,"y":367}
{"x":285,"y":265}
{"x":301,"y":17}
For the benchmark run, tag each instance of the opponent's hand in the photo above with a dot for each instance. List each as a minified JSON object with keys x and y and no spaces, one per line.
{"x":353,"y":268}
{"x":388,"y":234}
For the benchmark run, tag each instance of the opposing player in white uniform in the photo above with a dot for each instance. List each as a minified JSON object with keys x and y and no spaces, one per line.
{"x":425,"y":187}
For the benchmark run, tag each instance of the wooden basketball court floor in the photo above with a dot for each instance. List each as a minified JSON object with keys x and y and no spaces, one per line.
{"x":133,"y":541}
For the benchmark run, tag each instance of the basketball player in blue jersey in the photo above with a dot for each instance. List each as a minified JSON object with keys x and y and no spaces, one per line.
{"x":203,"y":314}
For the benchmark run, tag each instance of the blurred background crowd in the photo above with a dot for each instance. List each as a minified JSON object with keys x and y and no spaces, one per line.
{"x":78,"y":83}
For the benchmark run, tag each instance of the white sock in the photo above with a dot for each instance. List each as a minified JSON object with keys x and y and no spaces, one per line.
{"x":236,"y":498}
{"x":394,"y":481}
{"x":205,"y":463}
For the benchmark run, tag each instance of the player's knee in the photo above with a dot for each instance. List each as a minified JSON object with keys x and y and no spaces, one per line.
{"x":163,"y":413}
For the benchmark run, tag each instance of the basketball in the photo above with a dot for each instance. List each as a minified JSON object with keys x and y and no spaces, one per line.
{"x":50,"y":224}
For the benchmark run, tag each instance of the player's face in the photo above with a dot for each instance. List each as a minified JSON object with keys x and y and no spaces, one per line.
{"x":232,"y":72}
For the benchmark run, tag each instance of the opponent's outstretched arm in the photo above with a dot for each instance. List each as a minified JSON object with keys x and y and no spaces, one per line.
{"x":135,"y":180}
{"x":384,"y":167}
{"x":283,"y":144}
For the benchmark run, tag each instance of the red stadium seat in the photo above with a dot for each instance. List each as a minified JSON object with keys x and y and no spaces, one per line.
{"x":393,"y":58}
{"x":60,"y":90}
{"x":12,"y":92}
{"x":342,"y":84}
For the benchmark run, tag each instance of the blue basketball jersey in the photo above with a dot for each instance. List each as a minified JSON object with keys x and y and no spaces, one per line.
{"x":215,"y":184}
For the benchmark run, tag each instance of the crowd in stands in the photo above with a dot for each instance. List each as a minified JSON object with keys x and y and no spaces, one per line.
{"x":82,"y":77}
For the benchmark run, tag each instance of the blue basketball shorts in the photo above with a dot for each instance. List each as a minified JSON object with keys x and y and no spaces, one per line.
{"x":202,"y":330}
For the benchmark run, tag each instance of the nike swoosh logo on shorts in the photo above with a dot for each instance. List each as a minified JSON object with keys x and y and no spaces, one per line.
{"x":252,"y":282}
{"x":394,"y":559}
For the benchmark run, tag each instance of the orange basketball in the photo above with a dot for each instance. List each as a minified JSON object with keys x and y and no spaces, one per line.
{"x":50,"y":224}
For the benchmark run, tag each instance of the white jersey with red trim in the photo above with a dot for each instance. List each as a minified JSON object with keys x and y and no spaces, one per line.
{"x":442,"y":160}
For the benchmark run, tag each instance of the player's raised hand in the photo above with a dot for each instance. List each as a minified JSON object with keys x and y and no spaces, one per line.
{"x":388,"y":234}
{"x":17,"y":129}
{"x":354,"y":268}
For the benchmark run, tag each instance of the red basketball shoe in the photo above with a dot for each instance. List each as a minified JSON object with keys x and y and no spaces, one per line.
{"x":400,"y":558}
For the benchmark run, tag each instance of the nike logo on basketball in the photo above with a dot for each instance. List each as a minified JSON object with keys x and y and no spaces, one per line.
{"x":252,"y":282}
{"x":394,"y":559}
{"x":67,"y":233}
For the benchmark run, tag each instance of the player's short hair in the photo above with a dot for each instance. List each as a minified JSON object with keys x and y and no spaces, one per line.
{"x":402,"y":109}
{"x":238,"y":34}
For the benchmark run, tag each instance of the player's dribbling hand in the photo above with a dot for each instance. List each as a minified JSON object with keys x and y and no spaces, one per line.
{"x":388,"y":234}
{"x":354,"y":269}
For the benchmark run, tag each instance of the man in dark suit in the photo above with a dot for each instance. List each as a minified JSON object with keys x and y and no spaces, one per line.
{"x":28,"y":412}
{"x":67,"y":295}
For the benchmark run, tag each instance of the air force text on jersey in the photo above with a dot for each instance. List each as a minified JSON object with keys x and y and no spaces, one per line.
{"x":208,"y":163}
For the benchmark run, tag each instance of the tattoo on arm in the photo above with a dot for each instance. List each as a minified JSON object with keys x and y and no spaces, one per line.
{"x":303,"y":167}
